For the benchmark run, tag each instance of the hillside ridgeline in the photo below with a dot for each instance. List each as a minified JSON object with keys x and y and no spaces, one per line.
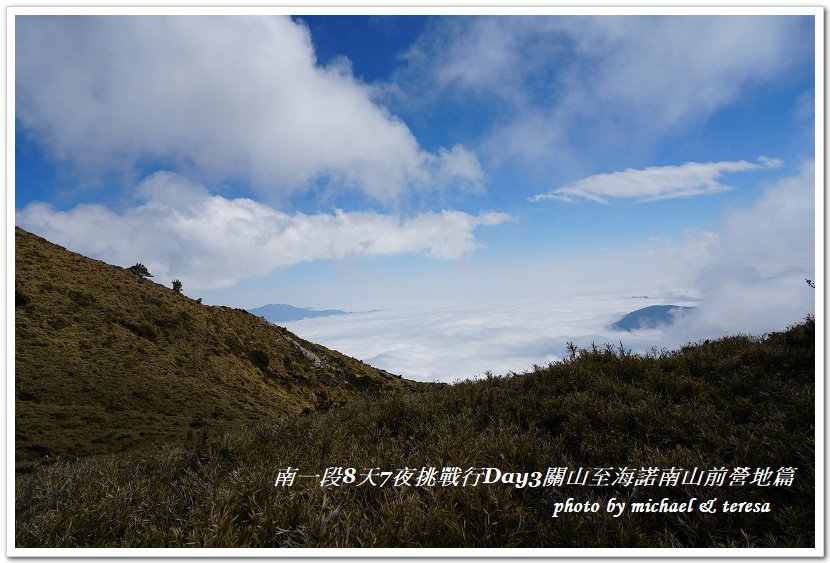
{"x":107,"y":361}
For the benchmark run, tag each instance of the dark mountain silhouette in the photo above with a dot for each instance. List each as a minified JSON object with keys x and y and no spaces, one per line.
{"x":649,"y":317}
{"x":281,"y":313}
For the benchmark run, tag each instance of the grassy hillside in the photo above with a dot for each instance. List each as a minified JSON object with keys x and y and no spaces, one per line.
{"x":107,"y":361}
{"x":736,"y":402}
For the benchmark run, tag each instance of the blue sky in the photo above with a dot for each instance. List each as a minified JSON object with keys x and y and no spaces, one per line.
{"x":372,"y":161}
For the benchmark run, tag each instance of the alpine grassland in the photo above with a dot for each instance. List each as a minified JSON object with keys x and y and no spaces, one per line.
{"x":107,"y":360}
{"x":145,"y":419}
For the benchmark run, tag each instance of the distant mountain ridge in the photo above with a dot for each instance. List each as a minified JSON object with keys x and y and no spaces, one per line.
{"x":649,"y":317}
{"x":282,"y":313}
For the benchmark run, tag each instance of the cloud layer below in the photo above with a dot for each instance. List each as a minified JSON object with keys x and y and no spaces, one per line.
{"x":746,"y":278}
{"x":450,"y":342}
{"x":181,"y":230}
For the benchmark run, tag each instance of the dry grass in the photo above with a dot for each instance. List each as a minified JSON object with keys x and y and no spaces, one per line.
{"x":738,"y":401}
{"x":106,"y":361}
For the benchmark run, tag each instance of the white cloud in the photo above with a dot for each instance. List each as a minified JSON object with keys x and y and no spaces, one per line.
{"x":457,"y":167}
{"x":655,"y":183}
{"x":753,"y":279}
{"x":227,"y":98}
{"x":670,"y":70}
{"x":180,"y":230}
{"x":614,"y":84}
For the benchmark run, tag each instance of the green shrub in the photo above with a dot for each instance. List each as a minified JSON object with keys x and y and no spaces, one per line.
{"x":140,"y":270}
{"x":259,"y":359}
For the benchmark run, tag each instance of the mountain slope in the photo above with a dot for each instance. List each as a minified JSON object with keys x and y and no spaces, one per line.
{"x":106,"y":360}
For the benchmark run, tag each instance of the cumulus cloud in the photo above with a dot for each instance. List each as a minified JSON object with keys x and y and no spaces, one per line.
{"x":610,"y":83}
{"x":655,"y":183}
{"x":224,"y":98}
{"x":748,"y":274}
{"x":179,"y":229}
{"x":753,"y":278}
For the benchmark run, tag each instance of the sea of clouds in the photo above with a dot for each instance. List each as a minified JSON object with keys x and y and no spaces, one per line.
{"x":747,"y":277}
{"x":445,"y":342}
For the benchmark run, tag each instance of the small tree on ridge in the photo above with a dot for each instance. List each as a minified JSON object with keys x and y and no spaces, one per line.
{"x":140,"y":270}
